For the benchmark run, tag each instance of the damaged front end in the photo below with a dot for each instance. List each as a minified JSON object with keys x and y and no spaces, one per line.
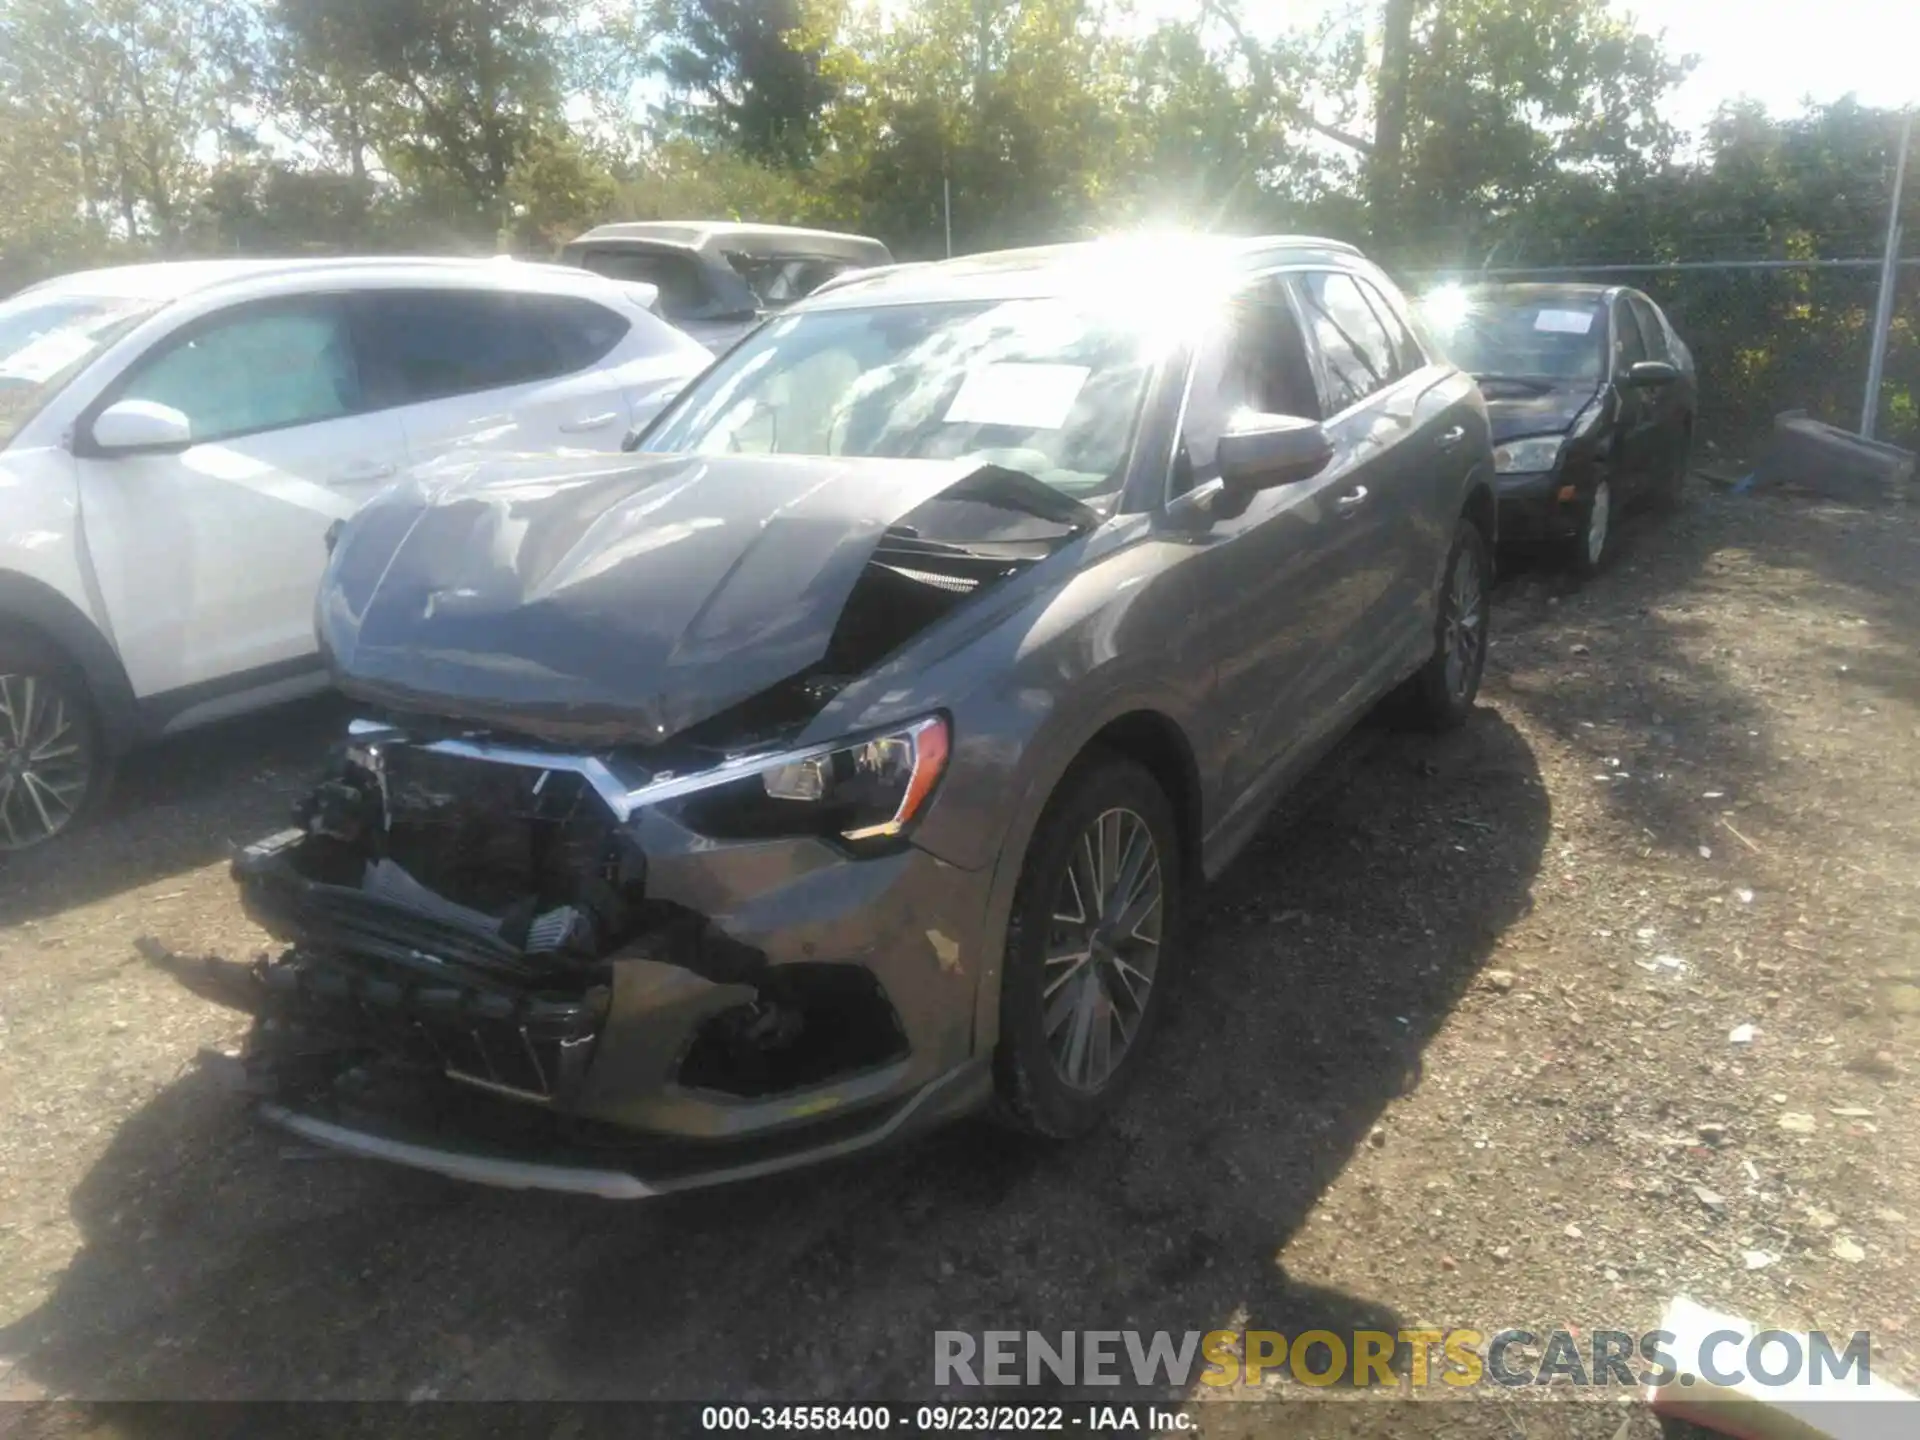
{"x":705,"y":949}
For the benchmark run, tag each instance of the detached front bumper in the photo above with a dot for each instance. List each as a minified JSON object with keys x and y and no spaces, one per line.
{"x":779,"y":1002}
{"x":1537,"y":508}
{"x":462,"y":1139}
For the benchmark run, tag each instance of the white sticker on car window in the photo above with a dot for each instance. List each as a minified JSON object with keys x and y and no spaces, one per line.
{"x":1564,"y":322}
{"x":1025,"y":396}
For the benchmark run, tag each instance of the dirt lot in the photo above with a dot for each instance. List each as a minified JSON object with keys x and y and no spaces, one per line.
{"x":1453,"y":1053}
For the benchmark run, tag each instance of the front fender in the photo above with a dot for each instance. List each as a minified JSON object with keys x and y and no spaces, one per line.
{"x":47,"y":585}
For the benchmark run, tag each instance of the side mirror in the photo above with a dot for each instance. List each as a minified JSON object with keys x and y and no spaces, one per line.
{"x":1649,"y":375}
{"x":1261,"y":452}
{"x":141,"y":427}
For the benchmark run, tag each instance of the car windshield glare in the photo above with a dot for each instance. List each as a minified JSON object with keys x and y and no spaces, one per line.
{"x":1050,"y":387}
{"x":45,"y":340}
{"x":1535,"y":338}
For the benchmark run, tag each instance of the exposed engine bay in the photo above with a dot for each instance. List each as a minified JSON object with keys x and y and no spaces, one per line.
{"x":481,"y":910}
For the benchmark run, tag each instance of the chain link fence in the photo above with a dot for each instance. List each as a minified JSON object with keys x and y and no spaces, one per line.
{"x":1770,"y":336}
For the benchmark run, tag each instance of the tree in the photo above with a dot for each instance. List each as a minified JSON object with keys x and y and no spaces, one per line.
{"x":1390,"y":116}
{"x":749,"y":71}
{"x":1026,"y":143}
{"x":119,"y":103}
{"x":450,"y":94}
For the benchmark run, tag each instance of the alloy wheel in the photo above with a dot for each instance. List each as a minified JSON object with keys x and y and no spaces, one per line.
{"x":1599,"y":517}
{"x":1103,"y":947}
{"x":1466,"y":627}
{"x":46,"y":764}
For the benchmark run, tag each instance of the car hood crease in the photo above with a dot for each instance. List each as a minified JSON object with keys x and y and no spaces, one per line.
{"x":609,"y":600}
{"x":1514,"y":416}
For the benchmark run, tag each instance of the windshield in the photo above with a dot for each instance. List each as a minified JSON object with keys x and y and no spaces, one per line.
{"x":1536,"y":338}
{"x":1045,"y":386}
{"x":45,"y":340}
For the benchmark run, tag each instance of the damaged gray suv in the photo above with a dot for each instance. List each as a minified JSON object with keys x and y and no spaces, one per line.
{"x":846,"y":756}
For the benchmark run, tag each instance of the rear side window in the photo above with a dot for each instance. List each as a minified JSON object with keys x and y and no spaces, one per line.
{"x":1354,"y":346}
{"x":260,"y":367}
{"x":582,"y":332}
{"x":430,"y":344}
{"x":683,"y":289}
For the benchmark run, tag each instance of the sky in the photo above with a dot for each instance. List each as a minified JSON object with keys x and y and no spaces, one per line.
{"x":1782,"y":51}
{"x":1777,"y":51}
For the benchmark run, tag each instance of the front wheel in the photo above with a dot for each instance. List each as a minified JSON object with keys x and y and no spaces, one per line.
{"x":1092,"y":947}
{"x":1441,"y":695}
{"x":1592,"y":544}
{"x":53,"y":768}
{"x":1669,"y":490}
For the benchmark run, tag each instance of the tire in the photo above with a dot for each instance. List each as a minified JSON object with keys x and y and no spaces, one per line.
{"x":54,"y":768}
{"x":1052,"y":1082}
{"x":1592,"y":544}
{"x":1441,"y":695}
{"x":1670,"y":489}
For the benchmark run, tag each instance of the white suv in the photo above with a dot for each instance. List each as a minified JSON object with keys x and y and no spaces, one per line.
{"x":177,"y":439}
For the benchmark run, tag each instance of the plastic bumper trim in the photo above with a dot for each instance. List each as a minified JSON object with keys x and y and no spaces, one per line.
{"x":943,"y":1096}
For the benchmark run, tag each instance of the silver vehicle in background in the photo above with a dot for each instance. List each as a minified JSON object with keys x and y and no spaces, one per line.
{"x":718,"y":279}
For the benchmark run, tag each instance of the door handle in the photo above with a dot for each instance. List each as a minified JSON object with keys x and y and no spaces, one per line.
{"x":589,"y":422}
{"x":363,"y":470}
{"x":1451,"y":438}
{"x":1352,"y":500}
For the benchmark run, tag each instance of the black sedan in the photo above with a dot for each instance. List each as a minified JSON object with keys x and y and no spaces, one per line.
{"x":1591,"y":395}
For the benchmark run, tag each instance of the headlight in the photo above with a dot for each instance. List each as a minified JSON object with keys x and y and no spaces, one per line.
{"x":869,"y":790}
{"x":1518,"y":457}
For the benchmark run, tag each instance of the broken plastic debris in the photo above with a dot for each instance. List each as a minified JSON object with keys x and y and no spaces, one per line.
{"x":1795,"y":1123}
{"x":1743,"y":895}
{"x":1758,"y":1259}
{"x":1757,"y":1408}
{"x":1742,"y":1034}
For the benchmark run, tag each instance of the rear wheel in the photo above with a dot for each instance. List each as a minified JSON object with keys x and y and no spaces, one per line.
{"x":53,"y":769}
{"x":1092,"y":946}
{"x":1441,"y":695}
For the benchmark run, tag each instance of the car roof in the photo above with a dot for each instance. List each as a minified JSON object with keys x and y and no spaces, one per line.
{"x":713,"y":236}
{"x":169,"y":280}
{"x":1044,"y":270}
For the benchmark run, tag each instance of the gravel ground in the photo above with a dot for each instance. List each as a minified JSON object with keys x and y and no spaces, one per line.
{"x":1458,"y":1048}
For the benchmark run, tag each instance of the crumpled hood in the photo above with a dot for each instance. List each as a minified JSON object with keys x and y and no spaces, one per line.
{"x":605,"y":599}
{"x":1514,"y":412}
